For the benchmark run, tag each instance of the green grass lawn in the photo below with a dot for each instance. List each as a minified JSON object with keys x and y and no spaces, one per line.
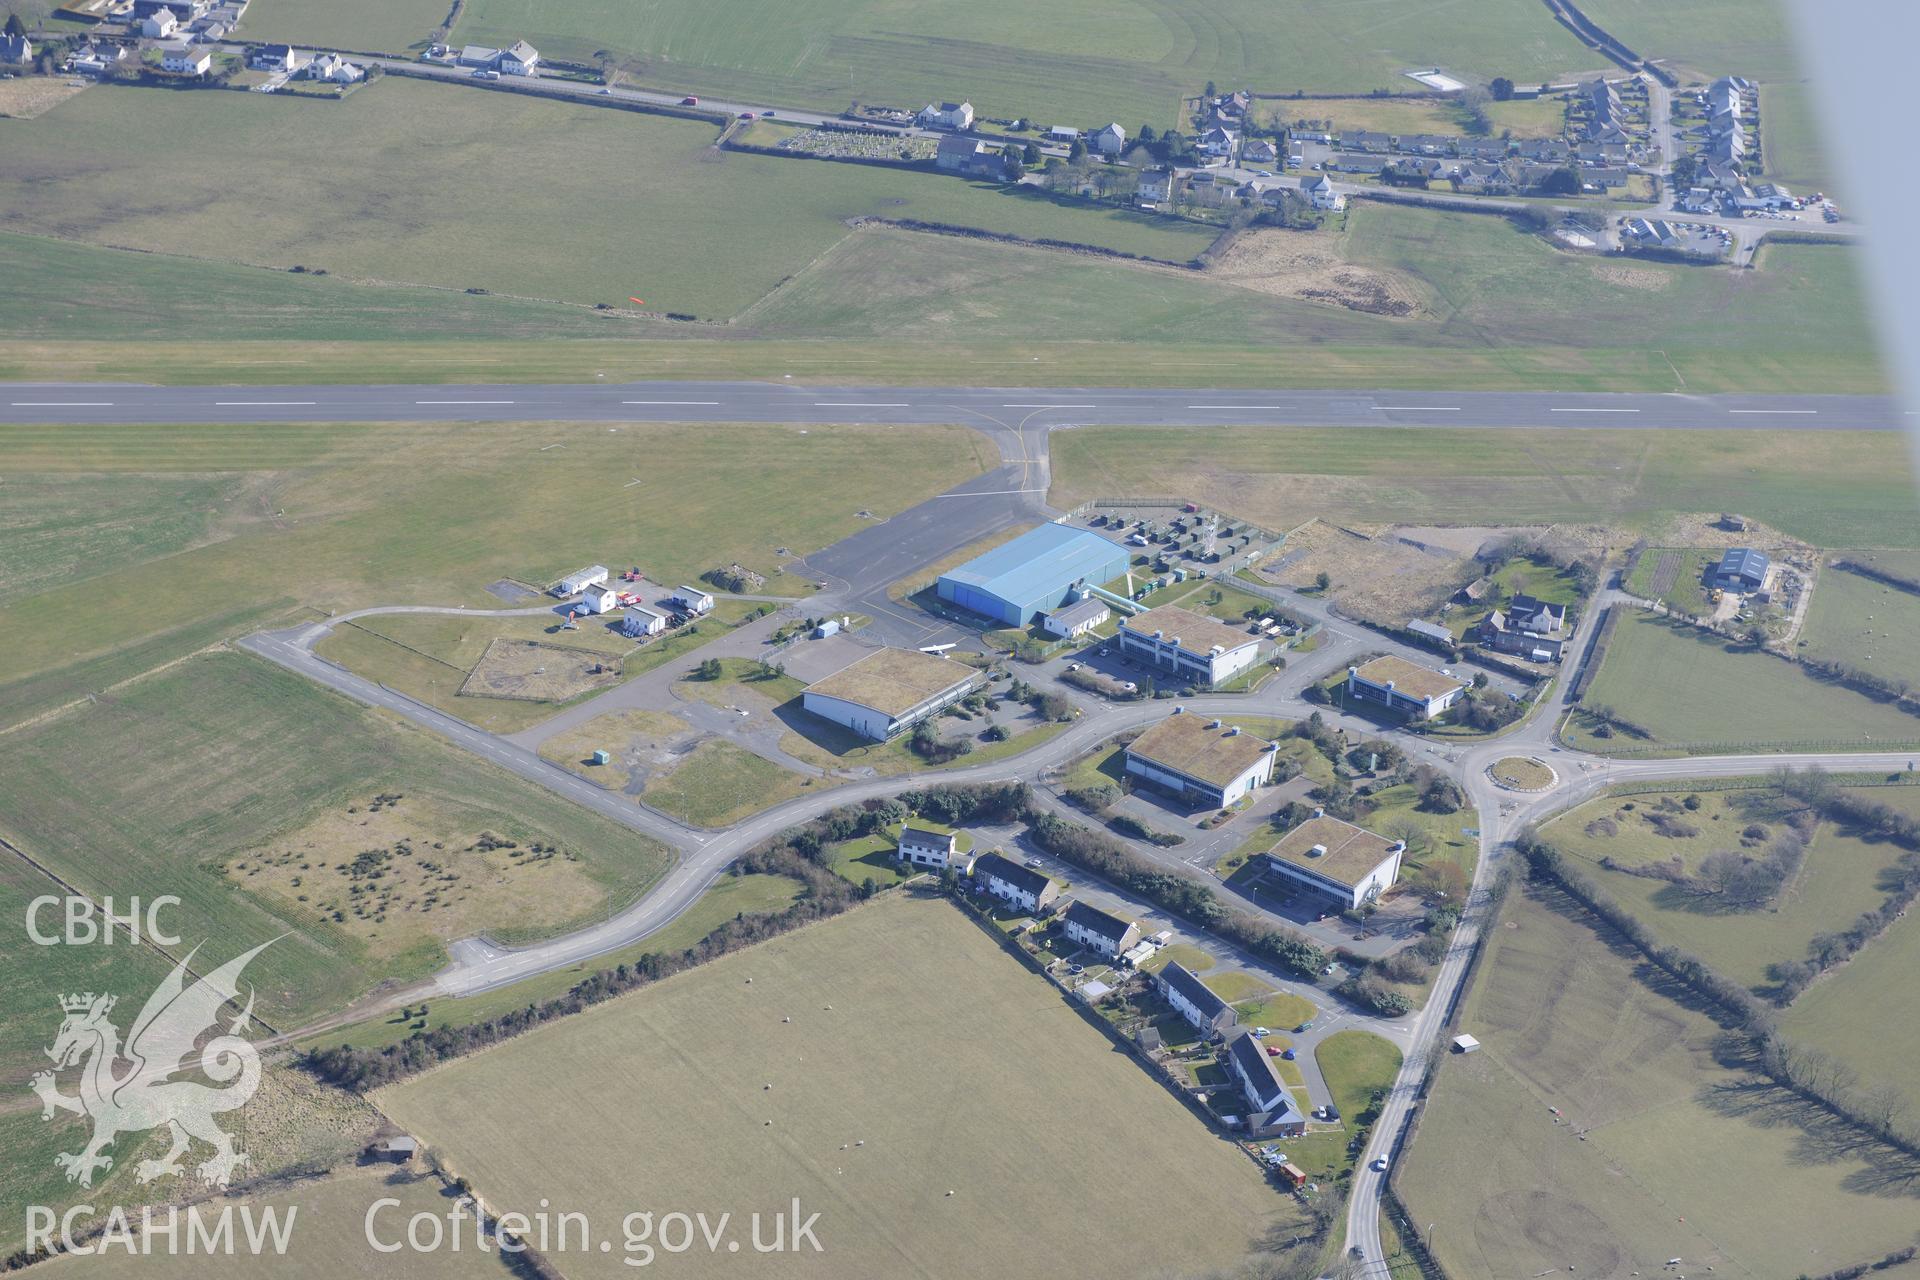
{"x":1865,"y":624}
{"x":1076,"y":62}
{"x":364,"y":515}
{"x":717,"y":784}
{"x":1687,"y":688}
{"x":729,"y":896}
{"x":1277,"y":1010}
{"x":1841,"y":878}
{"x":1688,"y":593}
{"x":1681,"y":1156}
{"x":722,"y":230}
{"x":164,"y":787}
{"x":369,"y":26}
{"x":1830,"y":488}
{"x":1355,"y":1064}
{"x":1707,"y":38}
{"x":1867,"y":1013}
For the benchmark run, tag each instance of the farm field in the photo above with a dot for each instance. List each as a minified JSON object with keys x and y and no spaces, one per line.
{"x":732,"y":894}
{"x":1836,"y":489}
{"x":1867,"y":1012}
{"x":1675,"y":577}
{"x":718,"y":783}
{"x":364,"y":515}
{"x":1680,"y":1157}
{"x":1010,"y":60}
{"x":1865,"y":624}
{"x":1020,"y":1073}
{"x":1791,"y":145}
{"x":330,"y":1239}
{"x":1840,"y":880}
{"x":1683,"y":687}
{"x":405,"y":218}
{"x":363,"y":26}
{"x":243,"y":789}
{"x":1532,"y":118}
{"x":1707,"y":38}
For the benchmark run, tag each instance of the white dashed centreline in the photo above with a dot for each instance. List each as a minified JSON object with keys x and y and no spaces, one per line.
{"x":1773,"y":411}
{"x":1593,"y":411}
{"x":678,"y":402}
{"x":860,"y":404}
{"x":259,"y":404}
{"x":63,"y":404}
{"x":463,"y":402}
{"x":1048,"y":406}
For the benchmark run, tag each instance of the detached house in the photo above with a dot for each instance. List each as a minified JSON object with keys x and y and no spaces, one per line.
{"x":957,"y":116}
{"x":1110,"y":140}
{"x":1527,"y":626}
{"x":935,"y":850}
{"x":187,"y":62}
{"x":1320,"y":191}
{"x":15,"y":49}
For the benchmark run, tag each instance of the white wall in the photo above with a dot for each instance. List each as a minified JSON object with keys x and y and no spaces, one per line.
{"x":862,"y":720}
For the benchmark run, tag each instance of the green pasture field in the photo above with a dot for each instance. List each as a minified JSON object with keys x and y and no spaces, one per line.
{"x":1684,"y":687}
{"x":362,"y":26}
{"x":1865,"y":624}
{"x":1681,"y":1157}
{"x":160,"y":787}
{"x":731,"y":895}
{"x":720,"y":229}
{"x":1867,"y":1012}
{"x":1841,"y":878}
{"x":1531,"y":118}
{"x":1792,"y":147}
{"x":1021,"y":1074}
{"x":1831,"y":488}
{"x":1704,"y":38}
{"x":364,"y":515}
{"x":1079,"y":62}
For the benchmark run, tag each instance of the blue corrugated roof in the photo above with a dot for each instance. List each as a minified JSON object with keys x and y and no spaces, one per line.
{"x":1744,"y":562}
{"x":1051,"y":557}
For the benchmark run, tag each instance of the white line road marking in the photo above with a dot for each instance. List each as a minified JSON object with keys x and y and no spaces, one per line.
{"x":713,"y":402}
{"x":1048,"y":406}
{"x":1418,"y":408}
{"x":1773,"y":411}
{"x":463,"y":402}
{"x":63,"y":404}
{"x":1593,"y":411}
{"x":229,"y":404}
{"x":1236,"y":406}
{"x":860,"y":404}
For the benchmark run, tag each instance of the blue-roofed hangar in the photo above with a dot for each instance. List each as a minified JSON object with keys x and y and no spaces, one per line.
{"x":1033,"y":573}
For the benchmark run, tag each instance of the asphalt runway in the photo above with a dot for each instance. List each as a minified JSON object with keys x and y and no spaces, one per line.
{"x":795,"y":402}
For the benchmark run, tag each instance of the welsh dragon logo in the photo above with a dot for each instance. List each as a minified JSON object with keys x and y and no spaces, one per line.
{"x":159,"y":1046}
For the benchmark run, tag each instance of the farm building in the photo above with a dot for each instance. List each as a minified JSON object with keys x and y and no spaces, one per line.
{"x":396,"y":1149}
{"x":1204,"y":761}
{"x":1091,"y":927}
{"x":578,"y":581}
{"x":1742,"y":569}
{"x":1189,"y":645}
{"x":1032,"y":574}
{"x":599,"y":598}
{"x":935,"y":850}
{"x":691,"y":600}
{"x":1274,"y":1113}
{"x":1194,"y":1000}
{"x":1349,"y":864}
{"x":1075,"y":619}
{"x":1404,"y":686}
{"x":642,"y":622}
{"x":889,"y":690}
{"x":1018,"y":886}
{"x":1465,"y":1044}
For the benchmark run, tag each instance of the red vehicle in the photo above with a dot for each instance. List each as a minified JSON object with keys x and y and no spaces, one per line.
{"x":1273,"y":1051}
{"x":689,"y":101}
{"x":746,"y":115}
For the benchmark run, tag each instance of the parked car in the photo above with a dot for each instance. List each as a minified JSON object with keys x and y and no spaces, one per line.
{"x":1304,"y":1027}
{"x":1287,"y":1054}
{"x":1273,"y":1051}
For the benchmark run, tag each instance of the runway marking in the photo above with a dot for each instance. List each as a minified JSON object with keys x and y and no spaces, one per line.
{"x":1048,"y":406}
{"x":707,"y":402}
{"x":1419,"y":408}
{"x":1773,"y":411}
{"x":1593,"y":411}
{"x":860,"y":404}
{"x":63,"y":404}
{"x":228,"y":404}
{"x":463,"y":402}
{"x":1230,"y":406}
{"x":987,"y":493}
